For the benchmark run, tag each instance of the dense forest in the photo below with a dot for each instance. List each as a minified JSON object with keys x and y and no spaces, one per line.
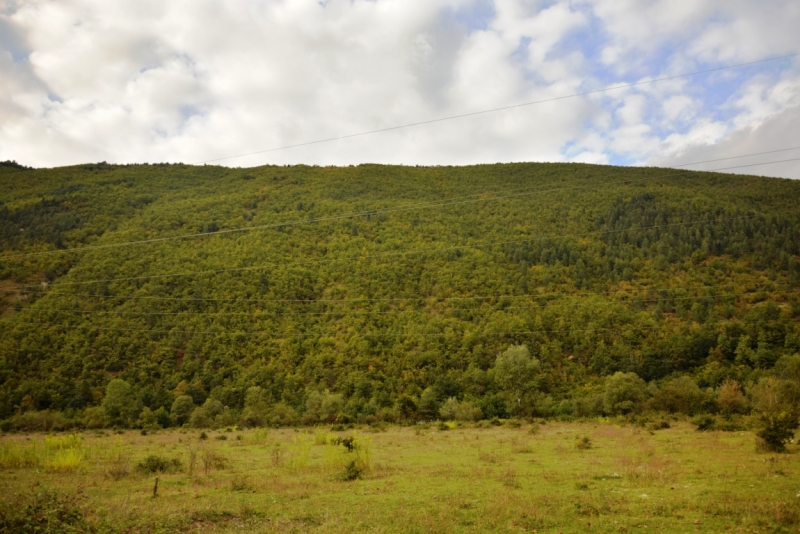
{"x":158,"y":295}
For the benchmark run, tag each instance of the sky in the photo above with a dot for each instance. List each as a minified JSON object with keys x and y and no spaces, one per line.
{"x":193,"y":81}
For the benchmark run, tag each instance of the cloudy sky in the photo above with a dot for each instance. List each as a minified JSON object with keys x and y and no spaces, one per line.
{"x":196,"y":80}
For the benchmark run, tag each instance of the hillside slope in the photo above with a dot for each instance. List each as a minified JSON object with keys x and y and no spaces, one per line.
{"x":382,"y":290}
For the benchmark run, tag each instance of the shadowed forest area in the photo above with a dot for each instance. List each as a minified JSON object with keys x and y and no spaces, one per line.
{"x":388,"y":294}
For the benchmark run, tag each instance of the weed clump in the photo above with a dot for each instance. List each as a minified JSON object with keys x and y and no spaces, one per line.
{"x":584,"y":443}
{"x":119,"y":465}
{"x":43,"y":511}
{"x":213,"y":460}
{"x":240,"y":483}
{"x":659,"y":425}
{"x":353,"y":470}
{"x":704,"y":422}
{"x":63,"y":454}
{"x":159,"y":464}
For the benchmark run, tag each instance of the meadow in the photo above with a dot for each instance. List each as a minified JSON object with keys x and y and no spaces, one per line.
{"x":548,"y":477}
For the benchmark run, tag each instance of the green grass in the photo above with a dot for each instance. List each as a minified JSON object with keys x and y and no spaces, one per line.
{"x":422,"y":479}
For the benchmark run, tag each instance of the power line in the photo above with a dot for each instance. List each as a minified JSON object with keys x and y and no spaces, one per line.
{"x":381,"y":255}
{"x":369,"y":213}
{"x":751,"y":165}
{"x":736,"y":157}
{"x":548,"y":305}
{"x":284,"y":335}
{"x":503,"y":108}
{"x":384,"y":299}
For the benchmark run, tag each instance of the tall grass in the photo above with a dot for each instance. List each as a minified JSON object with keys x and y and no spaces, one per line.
{"x":63,"y":454}
{"x":16,"y":455}
{"x":59,"y":454}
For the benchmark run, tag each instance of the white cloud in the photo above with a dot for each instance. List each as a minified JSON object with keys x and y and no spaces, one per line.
{"x":146,"y":80}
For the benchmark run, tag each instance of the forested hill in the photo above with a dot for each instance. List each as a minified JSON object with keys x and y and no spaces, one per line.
{"x":383,"y":291}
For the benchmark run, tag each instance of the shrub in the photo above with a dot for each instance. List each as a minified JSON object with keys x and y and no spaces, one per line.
{"x":663,"y":424}
{"x":776,"y":402}
{"x":584,"y":443}
{"x":323,"y":406}
{"x":255,"y":407}
{"x":788,"y":367}
{"x":283,"y":415}
{"x":158,"y":464}
{"x":679,"y":395}
{"x":624,"y":393}
{"x":730,"y":398}
{"x":515,"y":371}
{"x":182,"y":409}
{"x":352,"y":471}
{"x":449,"y":409}
{"x":205,"y":416}
{"x":118,"y":404}
{"x":704,"y":422}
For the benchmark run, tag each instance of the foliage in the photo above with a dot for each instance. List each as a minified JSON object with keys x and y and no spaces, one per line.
{"x":680,"y":395}
{"x":182,"y":409}
{"x":778,"y":404}
{"x":624,"y":393}
{"x":43,"y":511}
{"x":515,"y":372}
{"x":154,"y":463}
{"x":336,"y":306}
{"x":118,"y":403}
{"x":731,"y":399}
{"x":63,"y":454}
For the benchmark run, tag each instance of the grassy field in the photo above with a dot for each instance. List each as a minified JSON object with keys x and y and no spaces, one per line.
{"x":557,"y":477}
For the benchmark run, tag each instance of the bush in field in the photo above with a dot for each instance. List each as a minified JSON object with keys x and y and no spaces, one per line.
{"x":256,"y":407}
{"x":147,"y":419}
{"x":681,"y":395}
{"x":777,"y":403}
{"x":205,"y":416}
{"x":94,"y":417}
{"x":515,"y":371}
{"x":704,"y":422}
{"x":731,"y":399}
{"x":464,"y":411}
{"x":119,"y":403}
{"x":323,"y":407}
{"x":282,"y":414}
{"x":624,"y":393}
{"x":39,"y":421}
{"x":428,"y":404}
{"x":588,"y":405}
{"x":182,"y":410}
{"x":405,"y":408}
{"x":158,"y":464}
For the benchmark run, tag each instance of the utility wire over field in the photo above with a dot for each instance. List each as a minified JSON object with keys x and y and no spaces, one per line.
{"x":469,"y":199}
{"x":504,"y":108}
{"x":384,"y":254}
